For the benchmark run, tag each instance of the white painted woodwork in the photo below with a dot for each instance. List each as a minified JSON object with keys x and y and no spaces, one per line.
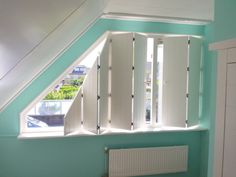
{"x":224,"y":143}
{"x":231,"y":55}
{"x":140,"y":58}
{"x":195,"y":56}
{"x":175,"y":59}
{"x":121,"y":81}
{"x":222,"y":45}
{"x":90,"y":94}
{"x":72,"y":121}
{"x":201,"y":10}
{"x":220,"y":113}
{"x":103,"y":85}
{"x":35,"y":35}
{"x":229,"y":158}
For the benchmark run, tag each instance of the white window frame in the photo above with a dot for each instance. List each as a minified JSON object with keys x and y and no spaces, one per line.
{"x":224,"y":49}
{"x":46,"y":132}
{"x":23,"y":114}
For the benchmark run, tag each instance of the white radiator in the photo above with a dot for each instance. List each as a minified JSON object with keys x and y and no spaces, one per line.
{"x":147,"y":161}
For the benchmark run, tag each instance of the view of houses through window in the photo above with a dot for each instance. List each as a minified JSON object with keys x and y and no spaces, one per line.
{"x":126,"y":82}
{"x":50,"y":111}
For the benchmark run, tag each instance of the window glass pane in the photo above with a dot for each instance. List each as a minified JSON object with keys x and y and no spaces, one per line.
{"x":148,"y":79}
{"x":50,"y":111}
{"x":159,"y":79}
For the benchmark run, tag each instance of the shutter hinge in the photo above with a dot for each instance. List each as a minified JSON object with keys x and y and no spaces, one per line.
{"x":189,"y":41}
{"x":98,"y":127}
{"x":132,"y":96}
{"x":99,"y":67}
{"x":133,"y":38}
{"x":188,"y":69}
{"x":187,"y":95}
{"x":186,"y":121}
{"x":98,"y":97}
{"x":132,"y":67}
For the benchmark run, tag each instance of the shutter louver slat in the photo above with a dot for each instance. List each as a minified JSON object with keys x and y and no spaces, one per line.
{"x":90,"y":121}
{"x":121,"y":81}
{"x":73,"y":117}
{"x":103,"y":84}
{"x":195,"y":56}
{"x":140,"y":57}
{"x":174,"y":81}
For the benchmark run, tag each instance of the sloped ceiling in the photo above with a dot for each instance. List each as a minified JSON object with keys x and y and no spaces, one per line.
{"x":25,"y":23}
{"x":34,"y":32}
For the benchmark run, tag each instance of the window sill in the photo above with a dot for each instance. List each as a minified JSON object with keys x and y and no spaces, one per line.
{"x":39,"y":135}
{"x":153,"y":130}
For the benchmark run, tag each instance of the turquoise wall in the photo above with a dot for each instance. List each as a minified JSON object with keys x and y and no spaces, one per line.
{"x":84,"y":156}
{"x":223,"y":28}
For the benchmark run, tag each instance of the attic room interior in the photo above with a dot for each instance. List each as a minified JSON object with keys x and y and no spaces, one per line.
{"x":112,"y":88}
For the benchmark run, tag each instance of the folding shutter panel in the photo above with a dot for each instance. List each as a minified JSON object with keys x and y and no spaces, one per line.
{"x":103,"y":85}
{"x":121,"y":81}
{"x":174,"y":81}
{"x":73,"y":116}
{"x":90,"y":100}
{"x":195,"y":54}
{"x":140,"y":57}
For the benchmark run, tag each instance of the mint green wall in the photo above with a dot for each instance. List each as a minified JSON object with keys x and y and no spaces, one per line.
{"x":223,"y":28}
{"x":84,"y":156}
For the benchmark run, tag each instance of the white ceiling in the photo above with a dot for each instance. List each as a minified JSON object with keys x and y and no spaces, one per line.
{"x":25,"y":23}
{"x":34,"y":32}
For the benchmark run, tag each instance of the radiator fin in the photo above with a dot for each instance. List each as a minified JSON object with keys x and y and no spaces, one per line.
{"x":147,"y":161}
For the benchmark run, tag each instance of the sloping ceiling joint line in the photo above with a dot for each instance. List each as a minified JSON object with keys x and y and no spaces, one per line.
{"x":46,"y":37}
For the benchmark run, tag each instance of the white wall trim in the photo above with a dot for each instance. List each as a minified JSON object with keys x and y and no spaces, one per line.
{"x":225,"y":50}
{"x":220,"y":114}
{"x":177,"y":20}
{"x":231,"y":43}
{"x":186,"y":9}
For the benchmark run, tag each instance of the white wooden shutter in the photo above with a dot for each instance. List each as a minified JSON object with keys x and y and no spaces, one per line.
{"x":140,"y":58}
{"x":103,"y":85}
{"x":90,"y":121}
{"x":73,"y":116}
{"x":121,"y":81}
{"x":195,"y":55}
{"x":174,"y":81}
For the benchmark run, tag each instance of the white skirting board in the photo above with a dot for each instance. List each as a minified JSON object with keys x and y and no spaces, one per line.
{"x":147,"y":161}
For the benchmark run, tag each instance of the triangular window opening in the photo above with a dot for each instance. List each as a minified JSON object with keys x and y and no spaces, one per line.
{"x":48,"y":113}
